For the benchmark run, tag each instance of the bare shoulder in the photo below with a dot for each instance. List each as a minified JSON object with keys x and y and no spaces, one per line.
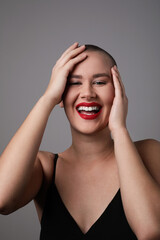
{"x":149,"y":150}
{"x":47,"y":162}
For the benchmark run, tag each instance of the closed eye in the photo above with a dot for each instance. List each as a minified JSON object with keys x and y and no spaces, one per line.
{"x":100,"y":82}
{"x":74,"y":83}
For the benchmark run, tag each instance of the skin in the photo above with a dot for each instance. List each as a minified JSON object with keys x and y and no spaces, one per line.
{"x":85,"y":87}
{"x":93,"y":159}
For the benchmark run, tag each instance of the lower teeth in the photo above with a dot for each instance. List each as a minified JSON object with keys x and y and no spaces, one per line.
{"x":87,"y":113}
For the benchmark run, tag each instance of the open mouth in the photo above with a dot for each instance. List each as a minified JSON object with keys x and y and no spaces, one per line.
{"x":88,"y":110}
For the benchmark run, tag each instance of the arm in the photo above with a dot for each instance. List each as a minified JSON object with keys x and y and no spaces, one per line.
{"x":19,"y":160}
{"x":21,"y":172}
{"x":140,"y":189}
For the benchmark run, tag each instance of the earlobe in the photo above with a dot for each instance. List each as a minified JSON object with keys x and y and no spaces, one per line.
{"x":61,"y":104}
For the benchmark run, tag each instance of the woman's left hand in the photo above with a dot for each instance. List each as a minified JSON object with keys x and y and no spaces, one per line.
{"x":118,"y":113}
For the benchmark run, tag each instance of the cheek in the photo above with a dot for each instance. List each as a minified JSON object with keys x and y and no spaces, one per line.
{"x":68,"y":96}
{"x":109,"y":95}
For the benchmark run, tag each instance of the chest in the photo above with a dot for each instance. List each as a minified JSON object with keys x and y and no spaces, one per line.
{"x":87,"y":195}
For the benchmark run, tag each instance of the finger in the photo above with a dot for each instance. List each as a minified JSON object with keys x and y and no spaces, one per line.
{"x":116,"y":82}
{"x":73,"y":46}
{"x":120,"y":79}
{"x":71,"y":55}
{"x":70,"y":64}
{"x":116,"y":72}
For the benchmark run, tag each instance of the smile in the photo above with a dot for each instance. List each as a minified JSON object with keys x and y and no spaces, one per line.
{"x":89,"y":111}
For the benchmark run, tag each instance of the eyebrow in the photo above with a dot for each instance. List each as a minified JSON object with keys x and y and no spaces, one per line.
{"x":97,"y":75}
{"x":101,"y":75}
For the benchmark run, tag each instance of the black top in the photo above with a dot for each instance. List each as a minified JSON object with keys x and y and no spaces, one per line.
{"x":58,"y":224}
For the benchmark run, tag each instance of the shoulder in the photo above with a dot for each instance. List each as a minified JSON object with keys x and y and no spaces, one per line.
{"x":149,"y":150}
{"x":46,"y":160}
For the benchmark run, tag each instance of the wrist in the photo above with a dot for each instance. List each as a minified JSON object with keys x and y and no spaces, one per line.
{"x":48,"y":102}
{"x":119,"y":132}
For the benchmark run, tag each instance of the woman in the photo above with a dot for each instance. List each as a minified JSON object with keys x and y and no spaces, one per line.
{"x":101,"y":187}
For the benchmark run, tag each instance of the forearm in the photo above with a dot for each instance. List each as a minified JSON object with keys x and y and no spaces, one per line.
{"x":140,"y":192}
{"x":17,"y":160}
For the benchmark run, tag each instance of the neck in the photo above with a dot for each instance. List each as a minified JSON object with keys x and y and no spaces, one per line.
{"x":93,"y":146}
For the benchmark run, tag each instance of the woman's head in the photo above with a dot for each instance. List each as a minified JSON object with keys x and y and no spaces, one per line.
{"x":90,"y":84}
{"x":94,"y":48}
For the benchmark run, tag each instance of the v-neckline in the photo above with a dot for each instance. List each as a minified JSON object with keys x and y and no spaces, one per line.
{"x":98,"y":219}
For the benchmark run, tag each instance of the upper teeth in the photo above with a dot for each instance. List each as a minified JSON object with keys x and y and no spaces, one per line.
{"x":80,"y":108}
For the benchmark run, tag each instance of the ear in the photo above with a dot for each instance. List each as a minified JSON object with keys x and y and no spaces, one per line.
{"x":61,"y":104}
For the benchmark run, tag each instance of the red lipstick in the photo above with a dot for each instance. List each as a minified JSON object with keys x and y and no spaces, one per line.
{"x":89,"y":111}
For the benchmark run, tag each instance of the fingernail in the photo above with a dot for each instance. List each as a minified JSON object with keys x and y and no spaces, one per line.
{"x":116,"y":67}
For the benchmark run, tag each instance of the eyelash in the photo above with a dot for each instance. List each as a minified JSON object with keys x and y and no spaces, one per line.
{"x":100,"y":82}
{"x":95,"y":82}
{"x":74,"y":83}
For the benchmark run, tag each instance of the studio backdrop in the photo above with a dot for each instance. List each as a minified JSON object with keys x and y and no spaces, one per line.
{"x":33,"y":36}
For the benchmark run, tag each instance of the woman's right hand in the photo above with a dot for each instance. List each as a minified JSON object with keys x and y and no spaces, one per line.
{"x":65,"y":64}
{"x":21,"y":153}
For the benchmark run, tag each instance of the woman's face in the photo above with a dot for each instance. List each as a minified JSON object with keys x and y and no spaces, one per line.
{"x":89,"y":94}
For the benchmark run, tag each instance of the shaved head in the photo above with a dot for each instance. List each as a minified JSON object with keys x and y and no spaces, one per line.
{"x":94,"y":48}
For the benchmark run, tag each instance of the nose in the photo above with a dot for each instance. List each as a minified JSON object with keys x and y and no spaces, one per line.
{"x":87,"y":91}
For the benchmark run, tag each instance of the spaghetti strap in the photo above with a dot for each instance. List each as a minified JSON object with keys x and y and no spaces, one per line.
{"x":55,"y":162}
{"x":57,"y":221}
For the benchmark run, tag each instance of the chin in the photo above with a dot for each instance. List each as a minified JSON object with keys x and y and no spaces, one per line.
{"x":90,"y":130}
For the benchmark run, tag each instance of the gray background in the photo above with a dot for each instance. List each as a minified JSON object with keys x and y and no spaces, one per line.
{"x":33,"y":34}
